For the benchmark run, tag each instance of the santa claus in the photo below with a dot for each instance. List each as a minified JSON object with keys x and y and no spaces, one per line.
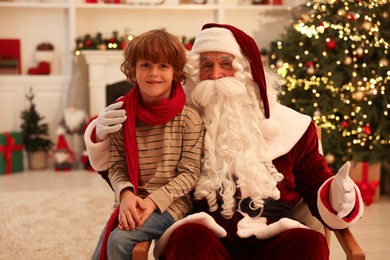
{"x":260,"y":159}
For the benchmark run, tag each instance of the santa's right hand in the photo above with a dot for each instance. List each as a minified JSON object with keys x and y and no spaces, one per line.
{"x":110,"y":120}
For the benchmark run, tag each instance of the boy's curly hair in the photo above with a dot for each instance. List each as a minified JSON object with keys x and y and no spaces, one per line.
{"x":157,"y":46}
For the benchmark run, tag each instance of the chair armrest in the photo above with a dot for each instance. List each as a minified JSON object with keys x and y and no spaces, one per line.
{"x":140,"y":250}
{"x":349,"y":244}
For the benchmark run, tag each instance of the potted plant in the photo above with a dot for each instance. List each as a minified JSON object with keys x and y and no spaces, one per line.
{"x":35,"y":136}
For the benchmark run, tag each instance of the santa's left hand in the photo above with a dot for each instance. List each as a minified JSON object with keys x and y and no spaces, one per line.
{"x":342,"y":192}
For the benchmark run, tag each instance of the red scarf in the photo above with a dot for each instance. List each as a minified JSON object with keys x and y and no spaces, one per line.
{"x":159,"y":114}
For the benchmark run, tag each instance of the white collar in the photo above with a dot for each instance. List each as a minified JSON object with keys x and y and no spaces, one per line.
{"x":293,"y":124}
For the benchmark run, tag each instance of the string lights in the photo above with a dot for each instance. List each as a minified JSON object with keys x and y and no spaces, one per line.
{"x":335,"y":63}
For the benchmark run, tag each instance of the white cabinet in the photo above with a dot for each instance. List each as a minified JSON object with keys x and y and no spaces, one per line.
{"x":60,"y":22}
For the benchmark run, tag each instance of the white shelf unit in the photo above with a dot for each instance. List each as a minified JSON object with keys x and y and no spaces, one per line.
{"x":60,"y":22}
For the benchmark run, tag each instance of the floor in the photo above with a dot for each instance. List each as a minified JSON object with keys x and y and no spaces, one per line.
{"x":371,"y":232}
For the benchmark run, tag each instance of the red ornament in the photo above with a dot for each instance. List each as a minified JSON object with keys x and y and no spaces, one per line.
{"x":309,"y":64}
{"x":331,"y":45}
{"x":188,"y":46}
{"x":367,"y":129}
{"x":123,"y":45}
{"x":88,"y":43}
{"x":351,"y":17}
{"x":112,"y":40}
{"x":344,"y":124}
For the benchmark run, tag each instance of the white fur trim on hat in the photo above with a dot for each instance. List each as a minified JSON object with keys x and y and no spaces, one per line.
{"x":216,"y":39}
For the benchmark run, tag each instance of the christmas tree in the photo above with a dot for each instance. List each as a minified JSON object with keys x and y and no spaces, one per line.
{"x":335,"y":63}
{"x":35,"y":133}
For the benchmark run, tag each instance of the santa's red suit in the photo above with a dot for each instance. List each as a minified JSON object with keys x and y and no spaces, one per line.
{"x":294,"y":152}
{"x":310,"y":181}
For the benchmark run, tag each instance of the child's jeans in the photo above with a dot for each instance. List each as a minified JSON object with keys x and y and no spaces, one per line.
{"x":121,"y":242}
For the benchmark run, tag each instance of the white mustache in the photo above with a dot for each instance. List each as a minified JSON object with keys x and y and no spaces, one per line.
{"x":208,"y":90}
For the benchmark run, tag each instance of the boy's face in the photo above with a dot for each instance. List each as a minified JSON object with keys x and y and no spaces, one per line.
{"x":154,"y":80}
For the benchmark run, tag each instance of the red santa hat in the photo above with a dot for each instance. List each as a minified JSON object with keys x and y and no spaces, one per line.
{"x":229,"y":39}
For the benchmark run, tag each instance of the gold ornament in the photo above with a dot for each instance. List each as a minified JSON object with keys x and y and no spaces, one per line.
{"x":317,"y":113}
{"x":359,"y":52}
{"x":383,"y":62}
{"x":306,"y":18}
{"x":329,"y":158}
{"x":358,"y":96}
{"x":279,"y":63}
{"x":102,"y":47}
{"x":310,"y":71}
{"x":347,"y":60}
{"x":341,"y":12}
{"x":367,"y":25}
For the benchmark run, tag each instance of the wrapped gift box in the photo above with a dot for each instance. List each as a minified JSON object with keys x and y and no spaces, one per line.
{"x":11,"y":152}
{"x":10,"y":50}
{"x":367,"y":177}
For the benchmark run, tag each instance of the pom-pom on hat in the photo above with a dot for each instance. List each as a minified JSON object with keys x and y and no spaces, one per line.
{"x":229,"y":39}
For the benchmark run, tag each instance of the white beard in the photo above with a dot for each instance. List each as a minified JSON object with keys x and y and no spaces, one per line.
{"x":235,"y":148}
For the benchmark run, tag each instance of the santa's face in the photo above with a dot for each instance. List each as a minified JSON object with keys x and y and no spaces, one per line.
{"x":215,"y":65}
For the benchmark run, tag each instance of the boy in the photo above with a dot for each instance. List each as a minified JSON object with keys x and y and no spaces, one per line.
{"x":155,"y":158}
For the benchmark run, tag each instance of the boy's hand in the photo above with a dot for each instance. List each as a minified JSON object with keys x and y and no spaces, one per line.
{"x":131,"y":210}
{"x":150,"y":207}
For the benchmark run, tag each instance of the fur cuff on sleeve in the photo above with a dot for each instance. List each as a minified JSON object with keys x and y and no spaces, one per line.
{"x":98,"y":152}
{"x":329,"y":215}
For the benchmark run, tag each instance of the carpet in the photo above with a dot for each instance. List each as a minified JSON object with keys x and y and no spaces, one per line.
{"x":56,"y":224}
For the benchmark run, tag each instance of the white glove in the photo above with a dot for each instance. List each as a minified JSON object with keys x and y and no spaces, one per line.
{"x":110,"y":120}
{"x":342,"y":192}
{"x":248,"y":226}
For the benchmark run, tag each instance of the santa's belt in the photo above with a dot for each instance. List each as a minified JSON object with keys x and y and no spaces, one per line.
{"x":273,"y":210}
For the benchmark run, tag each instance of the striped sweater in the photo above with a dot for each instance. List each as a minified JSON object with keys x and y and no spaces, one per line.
{"x":169,"y":161}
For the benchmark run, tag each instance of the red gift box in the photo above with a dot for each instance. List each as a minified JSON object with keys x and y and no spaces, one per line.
{"x":367,"y":178}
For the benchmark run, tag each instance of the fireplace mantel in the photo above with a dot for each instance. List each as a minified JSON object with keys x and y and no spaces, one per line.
{"x":103,"y":69}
